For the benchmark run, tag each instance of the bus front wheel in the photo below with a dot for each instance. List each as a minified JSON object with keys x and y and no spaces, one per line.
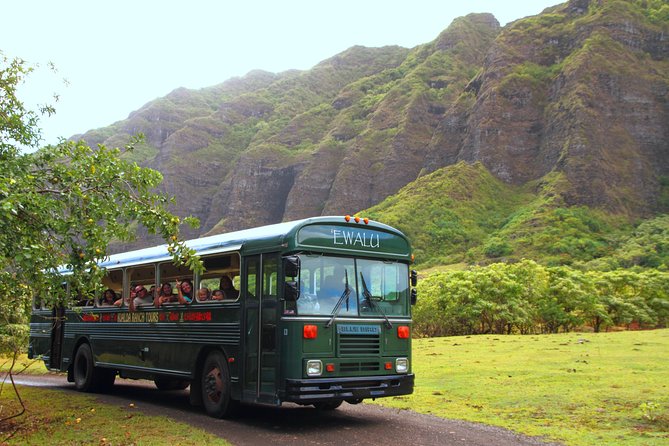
{"x":215,"y":383}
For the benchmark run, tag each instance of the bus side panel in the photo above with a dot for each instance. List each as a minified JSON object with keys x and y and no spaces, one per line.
{"x":151,"y":342}
{"x":40,"y":335}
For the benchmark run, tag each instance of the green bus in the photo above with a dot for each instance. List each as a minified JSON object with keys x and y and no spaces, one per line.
{"x":315,"y":312}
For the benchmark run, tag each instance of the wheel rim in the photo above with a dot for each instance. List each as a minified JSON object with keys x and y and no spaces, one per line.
{"x":213,"y":385}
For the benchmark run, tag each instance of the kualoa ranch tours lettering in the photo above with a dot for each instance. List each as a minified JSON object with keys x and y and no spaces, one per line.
{"x":170,"y":316}
{"x":355,"y":238}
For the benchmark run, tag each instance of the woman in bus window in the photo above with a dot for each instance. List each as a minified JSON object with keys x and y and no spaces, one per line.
{"x":108,"y":298}
{"x":165,"y":296}
{"x":228,"y":288}
{"x":185,"y":291}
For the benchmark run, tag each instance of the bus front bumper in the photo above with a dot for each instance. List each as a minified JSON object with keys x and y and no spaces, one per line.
{"x":307,"y":391}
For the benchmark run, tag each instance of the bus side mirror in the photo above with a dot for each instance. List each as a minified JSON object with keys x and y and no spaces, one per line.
{"x":291,"y":292}
{"x":414,"y":296}
{"x":414,"y":277}
{"x":291,"y":266}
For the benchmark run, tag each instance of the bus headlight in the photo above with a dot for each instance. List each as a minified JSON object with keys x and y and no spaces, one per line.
{"x":401,"y":365}
{"x":314,"y":367}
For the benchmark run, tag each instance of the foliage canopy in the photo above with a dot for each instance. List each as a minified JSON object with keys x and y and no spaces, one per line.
{"x":61,"y":206}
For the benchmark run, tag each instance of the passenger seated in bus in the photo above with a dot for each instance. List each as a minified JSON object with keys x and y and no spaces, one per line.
{"x":108,"y":298}
{"x":228,"y":288}
{"x":184,"y":291}
{"x":203,"y":294}
{"x":142,"y":297}
{"x":127,"y":300}
{"x":217,"y":295}
{"x":165,"y":296}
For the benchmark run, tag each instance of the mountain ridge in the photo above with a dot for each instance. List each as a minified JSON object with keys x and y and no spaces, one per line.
{"x":579,"y":92}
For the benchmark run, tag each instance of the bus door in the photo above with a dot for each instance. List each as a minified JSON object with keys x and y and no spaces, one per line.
{"x":57,"y":329}
{"x":260,"y":365}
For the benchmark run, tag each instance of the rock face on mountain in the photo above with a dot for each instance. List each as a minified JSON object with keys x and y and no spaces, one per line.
{"x":581,"y":89}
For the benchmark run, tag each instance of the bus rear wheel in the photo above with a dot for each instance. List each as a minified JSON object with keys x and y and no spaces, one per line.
{"x":215,"y":383}
{"x":87,"y":377}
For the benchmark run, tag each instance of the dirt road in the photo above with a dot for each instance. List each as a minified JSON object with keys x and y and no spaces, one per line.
{"x":362,"y":424}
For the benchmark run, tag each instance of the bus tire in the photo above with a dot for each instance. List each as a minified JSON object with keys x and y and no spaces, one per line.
{"x":171,"y":384}
{"x":215,"y":384}
{"x":83,"y":370}
{"x":327,"y":405}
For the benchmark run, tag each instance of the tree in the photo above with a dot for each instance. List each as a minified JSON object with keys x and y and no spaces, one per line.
{"x":61,"y":206}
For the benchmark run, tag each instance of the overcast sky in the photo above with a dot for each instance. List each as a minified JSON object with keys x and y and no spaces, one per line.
{"x":118,"y":55}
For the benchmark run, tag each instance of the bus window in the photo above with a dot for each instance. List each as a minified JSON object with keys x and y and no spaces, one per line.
{"x":327,"y":278}
{"x":388,"y":286}
{"x":112,"y":285}
{"x":170,"y":274}
{"x":221,"y":277}
{"x":141,"y":279}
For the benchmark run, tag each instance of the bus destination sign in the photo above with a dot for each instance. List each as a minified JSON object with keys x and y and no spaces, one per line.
{"x":352,"y":238}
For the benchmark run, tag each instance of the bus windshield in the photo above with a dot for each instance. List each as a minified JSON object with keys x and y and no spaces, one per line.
{"x":376,"y":287}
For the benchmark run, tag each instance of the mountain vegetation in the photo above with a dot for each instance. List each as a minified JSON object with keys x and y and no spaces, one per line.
{"x":521,"y":108}
{"x":545,"y":139}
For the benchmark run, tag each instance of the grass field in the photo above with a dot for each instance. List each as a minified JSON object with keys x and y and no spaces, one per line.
{"x":580,"y":389}
{"x":576,"y":388}
{"x":79,"y":419}
{"x":23,"y":365}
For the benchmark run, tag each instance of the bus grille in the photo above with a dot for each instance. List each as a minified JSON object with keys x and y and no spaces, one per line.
{"x":359,"y":345}
{"x":358,"y":366}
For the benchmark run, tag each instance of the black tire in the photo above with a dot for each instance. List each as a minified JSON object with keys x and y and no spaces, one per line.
{"x":171,"y":384}
{"x":327,"y":405}
{"x":215,"y":384}
{"x":85,"y":379}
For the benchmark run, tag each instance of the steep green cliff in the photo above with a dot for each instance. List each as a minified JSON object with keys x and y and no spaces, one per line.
{"x":545,"y":138}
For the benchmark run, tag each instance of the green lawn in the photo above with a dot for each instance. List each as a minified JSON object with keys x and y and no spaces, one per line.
{"x":54,"y":417}
{"x":23,"y":365}
{"x":578,"y":388}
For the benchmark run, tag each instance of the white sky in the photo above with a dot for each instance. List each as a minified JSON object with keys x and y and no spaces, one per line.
{"x":118,"y":55}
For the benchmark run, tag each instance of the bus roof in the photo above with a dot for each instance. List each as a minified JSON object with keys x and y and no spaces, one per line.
{"x":276,"y":235}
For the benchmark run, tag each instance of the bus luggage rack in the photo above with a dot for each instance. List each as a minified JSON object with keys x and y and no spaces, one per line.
{"x":359,"y":345}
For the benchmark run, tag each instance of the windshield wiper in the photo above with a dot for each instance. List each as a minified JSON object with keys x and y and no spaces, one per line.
{"x":371,"y":303}
{"x":344,"y":296}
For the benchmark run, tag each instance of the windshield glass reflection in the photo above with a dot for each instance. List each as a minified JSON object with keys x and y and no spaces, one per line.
{"x":323,"y":283}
